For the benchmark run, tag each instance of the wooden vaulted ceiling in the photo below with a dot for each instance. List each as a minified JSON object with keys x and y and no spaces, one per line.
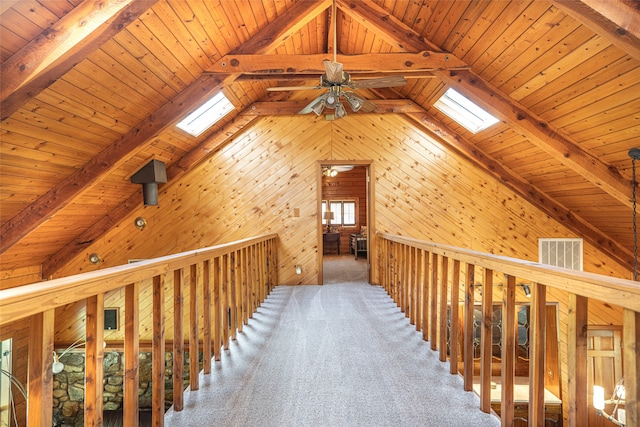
{"x":91,"y":92}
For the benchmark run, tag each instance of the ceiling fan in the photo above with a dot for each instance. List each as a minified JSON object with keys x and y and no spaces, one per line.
{"x":341,"y":86}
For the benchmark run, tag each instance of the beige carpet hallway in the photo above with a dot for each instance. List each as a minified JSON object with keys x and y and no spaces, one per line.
{"x":341,"y":354}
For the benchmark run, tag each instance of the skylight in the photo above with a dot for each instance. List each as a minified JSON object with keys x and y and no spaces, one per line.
{"x":206,"y":115}
{"x":464,"y":111}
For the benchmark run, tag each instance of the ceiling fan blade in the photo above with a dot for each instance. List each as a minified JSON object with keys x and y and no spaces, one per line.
{"x":368,"y":107}
{"x":389,"y":81}
{"x":287,"y":88}
{"x":315,"y":105}
{"x":333,"y":71}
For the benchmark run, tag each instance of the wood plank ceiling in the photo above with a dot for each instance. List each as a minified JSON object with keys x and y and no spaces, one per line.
{"x":91,"y":92}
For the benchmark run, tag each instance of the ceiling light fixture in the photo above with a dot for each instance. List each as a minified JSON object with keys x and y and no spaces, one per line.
{"x":618,"y":415}
{"x":58,"y":366}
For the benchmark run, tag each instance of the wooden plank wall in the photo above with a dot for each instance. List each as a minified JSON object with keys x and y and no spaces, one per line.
{"x":255,"y":183}
{"x":345,"y":186}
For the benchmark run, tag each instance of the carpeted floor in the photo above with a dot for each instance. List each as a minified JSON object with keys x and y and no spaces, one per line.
{"x":341,"y":354}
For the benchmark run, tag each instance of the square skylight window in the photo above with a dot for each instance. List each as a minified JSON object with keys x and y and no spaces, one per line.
{"x":465,"y":112}
{"x":206,"y":115}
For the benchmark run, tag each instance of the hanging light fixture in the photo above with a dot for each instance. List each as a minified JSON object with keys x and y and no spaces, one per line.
{"x":618,"y":415}
{"x":58,"y":366}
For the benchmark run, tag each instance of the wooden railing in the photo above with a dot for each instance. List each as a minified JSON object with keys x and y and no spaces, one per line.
{"x":419,"y":275}
{"x":233,"y":279}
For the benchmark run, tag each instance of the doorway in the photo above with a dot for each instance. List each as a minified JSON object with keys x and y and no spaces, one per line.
{"x":345,"y":219}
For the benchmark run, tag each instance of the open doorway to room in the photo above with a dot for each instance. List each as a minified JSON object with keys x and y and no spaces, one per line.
{"x":344,"y":222}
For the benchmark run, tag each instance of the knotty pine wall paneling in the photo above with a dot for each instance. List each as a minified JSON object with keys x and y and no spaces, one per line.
{"x":423,"y":190}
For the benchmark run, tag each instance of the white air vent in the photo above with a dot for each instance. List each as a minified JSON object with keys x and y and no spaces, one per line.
{"x":566,"y":253}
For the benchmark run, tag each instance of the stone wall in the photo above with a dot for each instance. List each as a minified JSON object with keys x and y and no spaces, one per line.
{"x":68,"y":385}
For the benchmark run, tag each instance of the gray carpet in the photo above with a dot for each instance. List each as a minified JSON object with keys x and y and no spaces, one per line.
{"x":341,"y":354}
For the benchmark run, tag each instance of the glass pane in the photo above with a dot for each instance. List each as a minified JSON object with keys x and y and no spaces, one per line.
{"x":336,"y":208}
{"x":349,"y":213}
{"x":323,"y":210}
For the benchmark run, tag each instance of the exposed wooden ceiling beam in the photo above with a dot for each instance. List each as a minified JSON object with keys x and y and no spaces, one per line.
{"x":316,"y":76}
{"x":212,"y":144}
{"x":431,"y":125}
{"x":523,"y":188}
{"x":618,"y":21}
{"x":55,"y":42}
{"x":19,"y":86}
{"x":106,"y":161}
{"x":313,"y":64}
{"x":545,"y":136}
{"x":264,"y":41}
{"x":286,"y":108}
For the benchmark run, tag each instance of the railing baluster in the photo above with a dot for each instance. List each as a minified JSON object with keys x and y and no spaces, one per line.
{"x":418,"y":288}
{"x":425,"y":294}
{"x":577,"y":361}
{"x":233,"y":295}
{"x":194,"y":347}
{"x":631,"y":356}
{"x":217,"y":308}
{"x":454,"y":330}
{"x":206,"y":316}
{"x":442,"y":317}
{"x":40,"y":386}
{"x":433,"y":334}
{"x":509,"y":330}
{"x":178,"y":340}
{"x":468,"y":328}
{"x":158,"y":352}
{"x":486,"y":357}
{"x":224,"y":297}
{"x":94,"y":361}
{"x":537,"y":333}
{"x":131,"y":354}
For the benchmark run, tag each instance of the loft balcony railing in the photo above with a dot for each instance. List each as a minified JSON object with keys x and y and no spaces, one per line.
{"x":232,"y":279}
{"x":426,"y":278}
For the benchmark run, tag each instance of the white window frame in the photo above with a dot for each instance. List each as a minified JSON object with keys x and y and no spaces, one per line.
{"x":337,"y":207}
{"x":464,"y":111}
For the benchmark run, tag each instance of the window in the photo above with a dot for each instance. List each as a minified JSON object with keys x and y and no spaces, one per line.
{"x":465,"y":112}
{"x":206,"y":115}
{"x":566,"y":253}
{"x":344,"y":212}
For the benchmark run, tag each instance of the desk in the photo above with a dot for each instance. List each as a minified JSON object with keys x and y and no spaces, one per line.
{"x":358,"y":243}
{"x":329,"y":241}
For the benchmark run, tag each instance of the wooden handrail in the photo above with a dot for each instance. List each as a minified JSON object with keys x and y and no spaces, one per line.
{"x":23,"y":301}
{"x":405,"y":265}
{"x":233,"y":279}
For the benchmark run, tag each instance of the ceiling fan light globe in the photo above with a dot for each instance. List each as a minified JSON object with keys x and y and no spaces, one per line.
{"x":318,"y":107}
{"x":331,"y":100}
{"x":340,"y":110}
{"x":355,"y":102}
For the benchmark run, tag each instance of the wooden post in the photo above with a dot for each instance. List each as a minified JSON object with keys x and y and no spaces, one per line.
{"x":537,"y":355}
{"x":158,"y":352}
{"x":217,"y":309}
{"x":577,"y":361}
{"x":233,"y":294}
{"x":468,"y":328}
{"x":224,"y":298}
{"x":94,"y":361}
{"x":444,"y":284}
{"x":178,"y":340}
{"x":194,"y":347}
{"x":40,"y":377}
{"x":509,"y":332}
{"x":425,"y":294}
{"x":131,"y":354}
{"x":418,"y":288}
{"x":631,"y":356}
{"x":433,"y":334}
{"x":206,"y":316}
{"x":454,"y":331}
{"x":486,"y":356}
